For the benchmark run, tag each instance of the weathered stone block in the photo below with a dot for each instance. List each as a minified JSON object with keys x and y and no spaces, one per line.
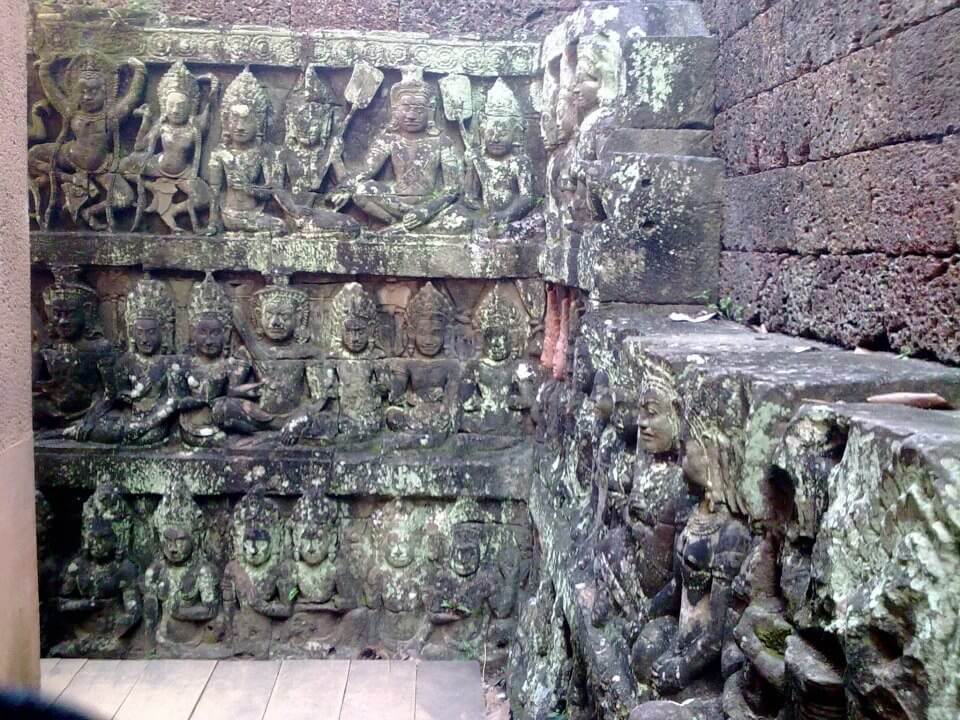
{"x":342,"y":14}
{"x":660,"y":240}
{"x":696,"y":143}
{"x":726,"y":17}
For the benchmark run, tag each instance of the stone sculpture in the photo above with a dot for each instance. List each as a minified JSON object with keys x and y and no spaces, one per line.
{"x":82,"y":163}
{"x":166,"y":155}
{"x":181,"y":587}
{"x":427,"y":168}
{"x":240,"y":165}
{"x":70,"y":362}
{"x":138,"y":401}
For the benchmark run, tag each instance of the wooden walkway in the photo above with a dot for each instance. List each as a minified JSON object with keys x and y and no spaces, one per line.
{"x":266,"y":689}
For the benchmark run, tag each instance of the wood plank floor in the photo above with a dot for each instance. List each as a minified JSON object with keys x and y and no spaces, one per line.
{"x":265,"y":689}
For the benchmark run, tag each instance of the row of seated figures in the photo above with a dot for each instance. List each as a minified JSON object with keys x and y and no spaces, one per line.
{"x":275,"y":383}
{"x":246,"y":184}
{"x":307,"y":581}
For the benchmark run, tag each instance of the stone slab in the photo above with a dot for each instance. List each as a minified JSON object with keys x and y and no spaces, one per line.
{"x":449,"y":691}
{"x":238,"y":690}
{"x":167,"y":690}
{"x":380,"y":689}
{"x":55,"y":675}
{"x":698,"y":143}
{"x":308,"y":690}
{"x":100,"y":687}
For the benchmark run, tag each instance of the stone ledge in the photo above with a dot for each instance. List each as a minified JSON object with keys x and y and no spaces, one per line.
{"x":446,"y":472}
{"x":409,"y":255}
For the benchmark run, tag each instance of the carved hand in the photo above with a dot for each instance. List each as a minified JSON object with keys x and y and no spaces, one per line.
{"x":414,"y":218}
{"x":669,"y":674}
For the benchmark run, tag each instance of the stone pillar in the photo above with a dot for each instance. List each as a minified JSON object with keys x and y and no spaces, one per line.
{"x":19,"y":613}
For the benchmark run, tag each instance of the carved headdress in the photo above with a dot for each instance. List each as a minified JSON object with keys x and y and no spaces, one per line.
{"x":314,"y":513}
{"x":245,"y":95}
{"x":107,"y":505}
{"x":427,"y":303}
{"x":67,"y":290}
{"x":150,"y":299}
{"x":601,"y":57}
{"x":178,"y":509}
{"x":279,"y":292}
{"x":411,"y":83}
{"x":88,"y":63}
{"x":351,"y":301}
{"x":658,"y":378}
{"x":180,"y":80}
{"x":256,"y":510}
{"x":208,"y":298}
{"x":497,"y":312}
{"x":502,"y":104}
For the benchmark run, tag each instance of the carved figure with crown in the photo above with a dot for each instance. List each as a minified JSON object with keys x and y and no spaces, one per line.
{"x":424,"y":390}
{"x":257,"y":585}
{"x":99,"y":589}
{"x":348,"y":387}
{"x":492,"y":384}
{"x":71,"y":361}
{"x":502,"y":166}
{"x":81,"y":164}
{"x":427,"y":167}
{"x":241,"y":165}
{"x":138,"y":403}
{"x":166,"y":154}
{"x":310,"y":162}
{"x":181,"y":587}
{"x":208,"y":381}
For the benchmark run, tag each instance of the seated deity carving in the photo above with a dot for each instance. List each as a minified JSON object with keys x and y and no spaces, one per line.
{"x":257,"y":586}
{"x":99,"y":590}
{"x":500,"y":173}
{"x":424,"y":390}
{"x":241,"y":165}
{"x":426,"y":165}
{"x":682,"y":645}
{"x":138,"y":403}
{"x":215,"y":394}
{"x":69,"y":366}
{"x":311,"y":158}
{"x":491,"y":390}
{"x":166,"y":154}
{"x":81,"y":165}
{"x":181,"y":587}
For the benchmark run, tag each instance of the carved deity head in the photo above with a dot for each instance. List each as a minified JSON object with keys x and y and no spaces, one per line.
{"x":599,"y":72}
{"x":282,"y":313}
{"x":310,"y":111}
{"x":501,"y":324}
{"x":412,"y":103}
{"x":245,"y":110}
{"x":314,"y":526}
{"x":465,"y":554}
{"x":107,"y":504}
{"x":71,"y":310}
{"x":711,"y":460}
{"x":150,"y":318}
{"x":210,"y":318}
{"x":100,"y":541}
{"x":399,"y":544}
{"x":257,"y":528}
{"x":179,"y":94}
{"x":428,"y":316}
{"x":658,"y":422}
{"x":178,"y":522}
{"x":352,"y":320}
{"x":92,"y":81}
{"x":502,"y":123}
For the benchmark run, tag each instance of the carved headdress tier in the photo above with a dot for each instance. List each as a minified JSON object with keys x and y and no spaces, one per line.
{"x":314,"y":510}
{"x":178,"y":79}
{"x":107,"y":505}
{"x":502,"y":102}
{"x":428,"y":302}
{"x":255,"y":510}
{"x":312,"y":88}
{"x":497,"y":312}
{"x":279,"y":292}
{"x":178,"y":509}
{"x":150,"y":299}
{"x":89,"y":63}
{"x":208,"y":298}
{"x":68,"y":291}
{"x":245,"y":95}
{"x":411,"y":83}
{"x":659,"y":379}
{"x":352,"y":301}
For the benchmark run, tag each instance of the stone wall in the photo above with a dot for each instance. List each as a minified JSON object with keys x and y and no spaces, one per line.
{"x":837,"y":123}
{"x":19,"y":638}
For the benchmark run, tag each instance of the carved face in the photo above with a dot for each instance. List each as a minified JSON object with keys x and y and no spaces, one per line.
{"x":496,"y":344}
{"x":356,"y":334}
{"x":209,"y":336}
{"x":177,"y":108}
{"x":586,"y":90}
{"x":102,"y":543}
{"x":312,"y":547}
{"x":244,"y":122}
{"x":257,"y":546}
{"x":465,"y":558}
{"x":657,"y":424}
{"x":412,"y":113}
{"x":499,"y":136}
{"x":700,"y":462}
{"x":146,"y":335}
{"x":399,"y":550}
{"x":67,"y":319}
{"x":92,"y":91}
{"x":278,"y":320}
{"x":310,"y":122}
{"x":430,"y":334}
{"x":176,"y":544}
